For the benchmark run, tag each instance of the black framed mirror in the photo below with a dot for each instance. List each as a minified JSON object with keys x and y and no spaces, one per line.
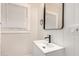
{"x":53,"y":16}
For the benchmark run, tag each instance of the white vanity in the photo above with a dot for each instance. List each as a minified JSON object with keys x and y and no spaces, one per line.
{"x":43,"y":48}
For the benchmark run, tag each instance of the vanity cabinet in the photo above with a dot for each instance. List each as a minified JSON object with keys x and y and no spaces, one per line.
{"x":40,"y":49}
{"x":38,"y":52}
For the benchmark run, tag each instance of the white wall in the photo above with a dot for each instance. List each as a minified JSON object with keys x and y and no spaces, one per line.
{"x":65,"y":37}
{"x":0,"y":29}
{"x":76,"y":33}
{"x":21,"y":43}
{"x":69,"y":19}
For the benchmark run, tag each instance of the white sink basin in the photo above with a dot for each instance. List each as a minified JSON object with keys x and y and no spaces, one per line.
{"x":46,"y":47}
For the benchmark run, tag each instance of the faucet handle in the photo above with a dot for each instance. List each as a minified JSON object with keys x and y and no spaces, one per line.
{"x":46,"y":37}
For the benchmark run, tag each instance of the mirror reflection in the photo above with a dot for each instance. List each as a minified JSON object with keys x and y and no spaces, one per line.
{"x":53,"y":16}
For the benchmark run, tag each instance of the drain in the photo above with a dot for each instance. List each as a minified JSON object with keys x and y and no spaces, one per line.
{"x":44,"y":47}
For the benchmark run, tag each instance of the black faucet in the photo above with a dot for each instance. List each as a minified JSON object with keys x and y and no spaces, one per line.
{"x":49,"y":38}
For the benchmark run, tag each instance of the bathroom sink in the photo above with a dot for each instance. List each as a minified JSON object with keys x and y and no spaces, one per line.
{"x":46,"y":47}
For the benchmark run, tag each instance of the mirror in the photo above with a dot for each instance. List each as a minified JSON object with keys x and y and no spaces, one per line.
{"x":14,"y":17}
{"x":53,"y":16}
